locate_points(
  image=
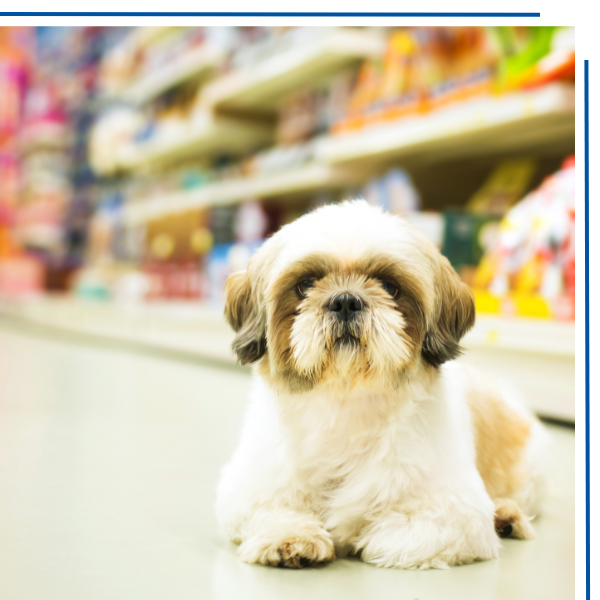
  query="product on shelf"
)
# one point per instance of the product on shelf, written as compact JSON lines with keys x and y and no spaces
{"x":223,"y":260}
{"x":425,"y":69}
{"x":530,"y":269}
{"x":313,"y":111}
{"x":535,"y":55}
{"x":466,"y":237}
{"x":53,"y":198}
{"x":20,"y":274}
{"x":109,"y":134}
{"x":394,"y":192}
{"x":503,"y":188}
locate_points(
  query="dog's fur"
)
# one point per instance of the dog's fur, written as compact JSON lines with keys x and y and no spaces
{"x":381,"y":446}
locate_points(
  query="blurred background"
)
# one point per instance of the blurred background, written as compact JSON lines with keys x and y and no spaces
{"x":140,"y":166}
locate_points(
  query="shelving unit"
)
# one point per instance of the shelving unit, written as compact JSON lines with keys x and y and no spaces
{"x":310,"y":177}
{"x":206,"y":134}
{"x":517,"y":121}
{"x":236,"y":113}
{"x":535,"y":355}
{"x":261,"y":87}
{"x":482,"y":125}
{"x":194,"y":64}
{"x":145,"y":36}
{"x":540,"y":336}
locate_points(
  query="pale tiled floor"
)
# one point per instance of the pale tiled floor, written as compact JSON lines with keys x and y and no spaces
{"x":108,"y":464}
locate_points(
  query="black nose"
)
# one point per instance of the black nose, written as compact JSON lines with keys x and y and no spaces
{"x":345,"y":306}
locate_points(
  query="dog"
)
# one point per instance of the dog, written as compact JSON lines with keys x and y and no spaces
{"x":364,"y":436}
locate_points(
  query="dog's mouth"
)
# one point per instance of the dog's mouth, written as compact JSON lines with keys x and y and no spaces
{"x":347,"y":339}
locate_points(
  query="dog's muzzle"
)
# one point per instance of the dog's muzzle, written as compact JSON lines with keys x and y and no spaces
{"x":345,"y":307}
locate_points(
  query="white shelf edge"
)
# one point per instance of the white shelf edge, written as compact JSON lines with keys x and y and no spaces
{"x":520,"y":334}
{"x":193,"y":64}
{"x":202,"y":135}
{"x":308,"y":177}
{"x":345,"y":44}
{"x":482,"y":115}
{"x":146,"y":36}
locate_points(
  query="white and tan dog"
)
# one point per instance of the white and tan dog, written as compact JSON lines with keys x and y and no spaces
{"x":362,"y":435}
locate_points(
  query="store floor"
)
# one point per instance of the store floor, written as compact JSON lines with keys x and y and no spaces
{"x":108,"y":465}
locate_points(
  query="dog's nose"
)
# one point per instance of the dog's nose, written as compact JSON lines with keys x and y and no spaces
{"x":345,"y":306}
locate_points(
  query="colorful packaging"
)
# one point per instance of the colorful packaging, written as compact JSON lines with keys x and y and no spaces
{"x":532,"y":262}
{"x":505,"y":186}
{"x":423,"y":68}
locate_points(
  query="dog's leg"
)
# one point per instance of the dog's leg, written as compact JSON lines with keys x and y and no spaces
{"x":286,"y":538}
{"x":271,"y":522}
{"x":429,"y":536}
{"x":263,"y":505}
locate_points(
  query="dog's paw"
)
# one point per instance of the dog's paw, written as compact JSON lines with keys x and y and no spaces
{"x":510,"y":522}
{"x":295,"y":550}
{"x":411,"y":542}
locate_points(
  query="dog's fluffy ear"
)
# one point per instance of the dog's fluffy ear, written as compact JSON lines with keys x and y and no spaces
{"x":246,"y":317}
{"x":455,"y":316}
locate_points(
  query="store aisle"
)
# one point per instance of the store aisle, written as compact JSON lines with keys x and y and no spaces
{"x":108,"y":464}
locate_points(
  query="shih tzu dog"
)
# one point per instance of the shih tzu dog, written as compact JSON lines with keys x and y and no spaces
{"x":363,"y":436}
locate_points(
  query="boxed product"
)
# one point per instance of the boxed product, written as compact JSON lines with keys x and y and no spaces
{"x":394,"y":192}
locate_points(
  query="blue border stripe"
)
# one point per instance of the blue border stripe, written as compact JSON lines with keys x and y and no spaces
{"x":268,"y":14}
{"x":587,"y":329}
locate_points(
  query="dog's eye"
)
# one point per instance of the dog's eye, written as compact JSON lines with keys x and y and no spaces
{"x":390,"y":288}
{"x":304,"y":286}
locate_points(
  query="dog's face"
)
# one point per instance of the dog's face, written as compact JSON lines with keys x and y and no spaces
{"x":347,"y":294}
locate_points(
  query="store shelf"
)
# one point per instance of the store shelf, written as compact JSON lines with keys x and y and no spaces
{"x":517,"y":121}
{"x":193,"y":64}
{"x":260,"y":88}
{"x":311,"y":177}
{"x":146,"y":35}
{"x":185,"y":328}
{"x":205,"y":134}
{"x":539,"y":336}
{"x":536,"y":356}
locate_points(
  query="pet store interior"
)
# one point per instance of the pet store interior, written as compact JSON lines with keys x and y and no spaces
{"x":139,"y":167}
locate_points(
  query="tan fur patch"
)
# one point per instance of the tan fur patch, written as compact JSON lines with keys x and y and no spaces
{"x":501,"y":435}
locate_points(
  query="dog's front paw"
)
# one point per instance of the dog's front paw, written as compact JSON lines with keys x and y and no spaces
{"x":409,"y":542}
{"x":293,"y":550}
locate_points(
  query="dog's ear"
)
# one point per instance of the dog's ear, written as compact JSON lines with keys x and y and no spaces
{"x":246,"y":317}
{"x":455,"y":315}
